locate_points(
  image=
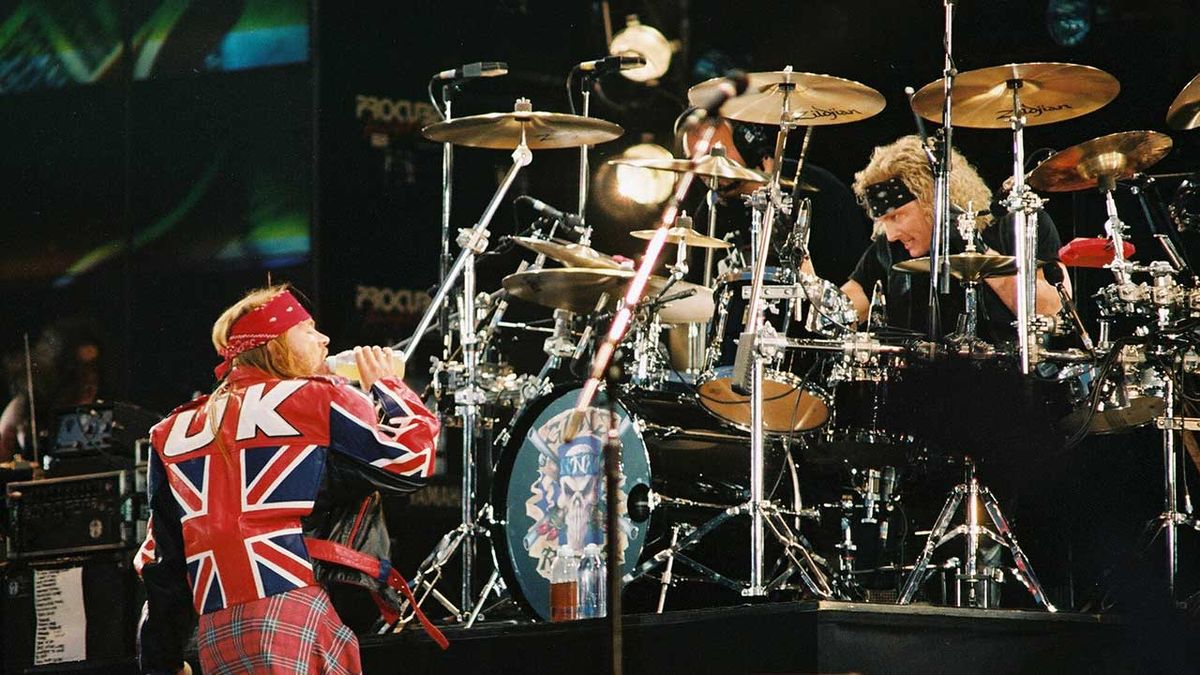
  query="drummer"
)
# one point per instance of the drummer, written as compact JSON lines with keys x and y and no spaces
{"x":837,"y":228}
{"x":896,"y":190}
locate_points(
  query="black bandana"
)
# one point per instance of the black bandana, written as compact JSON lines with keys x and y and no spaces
{"x":886,"y":196}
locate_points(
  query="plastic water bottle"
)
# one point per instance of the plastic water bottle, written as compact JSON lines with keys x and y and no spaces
{"x":593,"y":584}
{"x":564,"y":585}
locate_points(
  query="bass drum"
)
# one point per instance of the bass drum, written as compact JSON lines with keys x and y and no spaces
{"x":550,"y":491}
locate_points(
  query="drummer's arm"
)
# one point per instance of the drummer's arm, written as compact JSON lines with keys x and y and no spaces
{"x":1047,"y":301}
{"x":862,"y":305}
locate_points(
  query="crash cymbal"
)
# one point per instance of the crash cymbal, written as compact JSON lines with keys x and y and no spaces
{"x":707,"y":166}
{"x":1184,"y":112}
{"x":541,"y":130}
{"x":687,"y":235}
{"x":568,"y":253}
{"x":966,"y":266}
{"x":812,"y":99}
{"x":579,"y":290}
{"x":1115,"y":156}
{"x":1050,"y":92}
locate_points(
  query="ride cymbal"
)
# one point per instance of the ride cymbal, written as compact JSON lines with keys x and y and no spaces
{"x":568,"y":253}
{"x":806,"y":99}
{"x":966,"y":267}
{"x":579,"y":290}
{"x":707,"y":166}
{"x":687,"y":235}
{"x":1184,"y":112}
{"x":1050,"y":92}
{"x":1114,"y":156}
{"x":540,"y":130}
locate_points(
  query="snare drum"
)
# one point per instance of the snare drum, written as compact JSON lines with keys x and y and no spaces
{"x":793,"y":398}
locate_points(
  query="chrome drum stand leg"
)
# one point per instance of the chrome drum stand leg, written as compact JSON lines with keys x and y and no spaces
{"x":976,"y":497}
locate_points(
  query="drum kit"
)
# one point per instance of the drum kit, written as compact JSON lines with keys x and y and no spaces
{"x":780,"y":379}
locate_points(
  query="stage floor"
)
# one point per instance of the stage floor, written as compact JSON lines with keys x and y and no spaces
{"x":808,"y":637}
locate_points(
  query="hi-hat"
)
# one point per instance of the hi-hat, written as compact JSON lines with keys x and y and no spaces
{"x":1115,"y":156}
{"x":579,"y":290}
{"x":540,"y":130}
{"x":1184,"y":112}
{"x":811,"y":99}
{"x":707,"y":166}
{"x":966,"y":267}
{"x":686,"y":235}
{"x":1050,"y":92}
{"x":568,"y":253}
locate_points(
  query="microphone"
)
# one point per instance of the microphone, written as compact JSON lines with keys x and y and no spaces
{"x":569,"y":220}
{"x":733,"y":84}
{"x":473,"y":70}
{"x":613,"y":63}
{"x":1054,"y":274}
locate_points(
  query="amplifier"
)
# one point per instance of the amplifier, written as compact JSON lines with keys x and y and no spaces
{"x":75,"y":514}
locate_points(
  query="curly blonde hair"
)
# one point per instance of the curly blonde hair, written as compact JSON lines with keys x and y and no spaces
{"x":906,"y":158}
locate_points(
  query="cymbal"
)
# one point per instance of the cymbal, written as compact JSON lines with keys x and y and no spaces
{"x":811,"y":98}
{"x":568,"y":253}
{"x":687,"y":235}
{"x":1184,"y":112}
{"x":579,"y":290}
{"x":708,"y":166}
{"x":966,"y":266}
{"x":541,"y":130}
{"x":1050,"y":92}
{"x":1115,"y":156}
{"x":1094,"y":252}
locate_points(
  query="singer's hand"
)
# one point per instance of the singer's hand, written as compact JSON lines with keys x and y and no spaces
{"x":375,"y":363}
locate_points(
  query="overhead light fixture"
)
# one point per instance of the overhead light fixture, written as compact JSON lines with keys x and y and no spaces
{"x":644,"y":186}
{"x":637,"y":39}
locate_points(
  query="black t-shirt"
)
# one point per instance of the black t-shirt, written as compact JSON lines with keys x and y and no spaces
{"x":908,"y":294}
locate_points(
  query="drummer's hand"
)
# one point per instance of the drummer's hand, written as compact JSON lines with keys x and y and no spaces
{"x":185,"y":670}
{"x":375,"y":363}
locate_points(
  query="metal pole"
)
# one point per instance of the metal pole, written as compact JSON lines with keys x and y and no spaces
{"x":586,"y":237}
{"x":447,"y":196}
{"x":1025,"y":236}
{"x":1170,"y":488}
{"x":939,"y":277}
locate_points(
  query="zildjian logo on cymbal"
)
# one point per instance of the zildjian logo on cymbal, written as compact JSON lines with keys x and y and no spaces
{"x":1033,"y":111}
{"x":819,"y":113}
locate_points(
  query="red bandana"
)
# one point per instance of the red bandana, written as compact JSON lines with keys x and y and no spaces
{"x":260,"y":326}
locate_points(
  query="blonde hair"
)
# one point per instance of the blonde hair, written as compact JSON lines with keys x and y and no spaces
{"x":906,"y":158}
{"x":273,"y":357}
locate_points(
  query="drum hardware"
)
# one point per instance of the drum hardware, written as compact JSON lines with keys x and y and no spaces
{"x":579,"y":289}
{"x":1184,"y":112}
{"x":976,"y":497}
{"x":1016,"y":96}
{"x":870,"y":497}
{"x":1172,"y":517}
{"x":521,"y":131}
{"x":567,"y":253}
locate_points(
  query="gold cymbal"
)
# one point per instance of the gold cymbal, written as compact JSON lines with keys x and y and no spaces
{"x":1115,"y":156}
{"x":568,"y":253}
{"x":811,"y":99}
{"x":579,"y":290}
{"x":966,"y":266}
{"x":708,"y":166}
{"x":687,"y":235}
{"x":1050,"y":92}
{"x":1184,"y":112}
{"x":541,"y":130}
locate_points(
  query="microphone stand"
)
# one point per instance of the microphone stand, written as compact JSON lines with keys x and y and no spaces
{"x":587,"y":79}
{"x":939,"y":273}
{"x":449,"y":89}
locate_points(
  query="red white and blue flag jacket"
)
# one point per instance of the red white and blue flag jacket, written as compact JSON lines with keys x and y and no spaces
{"x":235,"y":486}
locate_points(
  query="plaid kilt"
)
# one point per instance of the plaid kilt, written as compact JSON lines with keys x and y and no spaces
{"x":293,"y":632}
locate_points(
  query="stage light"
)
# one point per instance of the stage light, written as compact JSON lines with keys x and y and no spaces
{"x":644,"y":186}
{"x":644,"y":41}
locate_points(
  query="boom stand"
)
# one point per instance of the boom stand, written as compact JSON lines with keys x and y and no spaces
{"x":976,"y":496}
{"x":1172,"y":517}
{"x":1022,"y":203}
{"x":468,"y":398}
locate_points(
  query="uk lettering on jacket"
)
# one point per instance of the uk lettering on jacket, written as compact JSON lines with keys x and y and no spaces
{"x":274,"y":460}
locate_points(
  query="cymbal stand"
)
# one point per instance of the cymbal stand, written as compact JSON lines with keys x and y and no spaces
{"x":966,"y":337}
{"x":976,"y":497}
{"x":1172,"y":517}
{"x":467,"y":399}
{"x":586,"y":80}
{"x":939,"y":270}
{"x":1022,"y":203}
